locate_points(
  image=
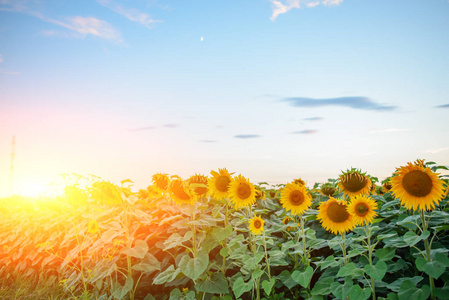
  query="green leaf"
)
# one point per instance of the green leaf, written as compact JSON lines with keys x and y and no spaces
{"x":240,"y":286}
{"x":215,"y":284}
{"x":286,"y":278}
{"x":377,"y":271}
{"x":268,"y":285}
{"x":149,"y":264}
{"x":329,"y":262}
{"x":194,"y":267}
{"x":139,"y":250}
{"x":176,"y":240}
{"x":443,"y":259}
{"x":341,"y":291}
{"x":166,"y":276}
{"x":347,"y":270}
{"x":356,"y":292}
{"x":224,"y":252}
{"x":434,"y":269}
{"x":392,"y":296}
{"x":396,"y":285}
{"x":409,"y":291}
{"x":222,"y":233}
{"x":252,"y":261}
{"x":303,"y":278}
{"x":411,"y":238}
{"x":256,"y":273}
{"x":385,"y":253}
{"x":121,"y":291}
{"x":420,"y":262}
{"x":442,"y":293}
{"x":322,"y":287}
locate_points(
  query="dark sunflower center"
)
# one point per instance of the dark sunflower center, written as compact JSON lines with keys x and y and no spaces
{"x":417,"y":183}
{"x":353,"y":182}
{"x":361,"y":209}
{"x":243,"y":191}
{"x":222,"y":183}
{"x":179,"y":192}
{"x":257,"y":224}
{"x":296,"y":198}
{"x":328,"y":191}
{"x":337,"y":212}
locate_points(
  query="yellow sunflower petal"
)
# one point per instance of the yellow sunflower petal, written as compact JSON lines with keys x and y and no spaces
{"x":362,"y":209}
{"x":295,"y":198}
{"x":242,"y":192}
{"x":354,"y":182}
{"x":181,"y":192}
{"x":417,"y":187}
{"x":256,"y":225}
{"x":219,"y":183}
{"x":334,"y":217}
{"x":161,"y":182}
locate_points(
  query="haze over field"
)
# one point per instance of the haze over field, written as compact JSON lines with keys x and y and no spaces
{"x":274,"y":90}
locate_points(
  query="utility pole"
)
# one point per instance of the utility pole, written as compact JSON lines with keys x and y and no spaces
{"x":11,"y":168}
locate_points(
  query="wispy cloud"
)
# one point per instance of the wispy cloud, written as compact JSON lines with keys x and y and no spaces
{"x":247,"y":136}
{"x":79,"y":25}
{"x":131,"y":14}
{"x":208,"y":141}
{"x":364,"y":103}
{"x":281,"y":7}
{"x":313,"y":119}
{"x":307,"y":131}
{"x":388,"y":130}
{"x":443,"y":106}
{"x":433,"y":151}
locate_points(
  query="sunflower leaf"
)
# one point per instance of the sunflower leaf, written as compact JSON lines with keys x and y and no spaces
{"x":303,"y":278}
{"x":377,"y":271}
{"x":385,"y":253}
{"x":408,"y":291}
{"x":240,"y":287}
{"x":356,"y":292}
{"x":194,"y":267}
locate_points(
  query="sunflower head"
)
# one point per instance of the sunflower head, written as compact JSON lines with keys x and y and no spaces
{"x":299,"y":181}
{"x":219,"y":183}
{"x":200,"y":184}
{"x":417,"y":187}
{"x":353,"y":182}
{"x":181,"y":192}
{"x":334,"y":216}
{"x":328,"y":189}
{"x":362,"y":209}
{"x":256,"y":225}
{"x":260,"y":194}
{"x":294,"y":197}
{"x":106,"y":193}
{"x":161,"y":182}
{"x":242,"y":192}
{"x":286,"y":220}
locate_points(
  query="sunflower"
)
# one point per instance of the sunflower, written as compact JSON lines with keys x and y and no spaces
{"x":328,"y":189}
{"x":181,"y":192}
{"x":199,"y":182}
{"x":417,"y":187}
{"x":161,"y":182}
{"x":219,"y":183}
{"x":243,"y":193}
{"x":299,"y":181}
{"x":353,"y":182}
{"x":294,"y":197}
{"x":260,"y":194}
{"x":361,"y":208}
{"x":106,"y":193}
{"x":286,"y":220}
{"x":334,"y":217}
{"x":256,"y":225}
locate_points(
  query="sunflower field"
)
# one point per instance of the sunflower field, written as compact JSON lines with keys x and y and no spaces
{"x":223,"y":237}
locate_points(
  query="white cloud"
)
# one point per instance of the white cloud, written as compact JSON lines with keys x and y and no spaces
{"x":82,"y":26}
{"x":280,"y":7}
{"x":433,"y":151}
{"x":131,"y":13}
{"x":388,"y":130}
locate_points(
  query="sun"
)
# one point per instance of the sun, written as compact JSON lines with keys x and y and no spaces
{"x":243,"y":193}
{"x":219,"y":183}
{"x":362,"y":209}
{"x":334,"y":216}
{"x":295,"y":198}
{"x":353,"y":182}
{"x":256,"y":225}
{"x":417,"y":187}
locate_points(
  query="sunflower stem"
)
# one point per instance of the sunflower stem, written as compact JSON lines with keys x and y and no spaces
{"x":428,"y":258}
{"x":266,"y":255}
{"x":343,"y":247}
{"x":306,"y":256}
{"x":370,"y":257}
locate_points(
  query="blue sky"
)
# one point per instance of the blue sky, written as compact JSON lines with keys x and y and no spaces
{"x":273,"y":90}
